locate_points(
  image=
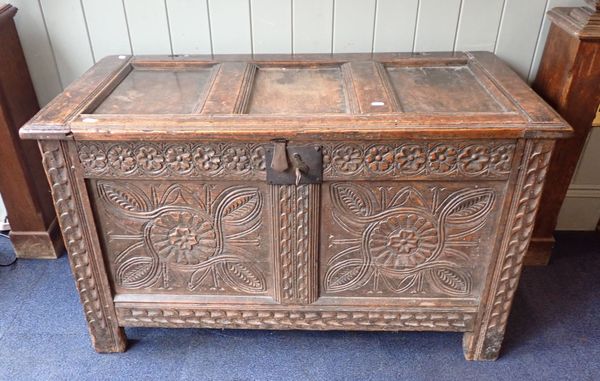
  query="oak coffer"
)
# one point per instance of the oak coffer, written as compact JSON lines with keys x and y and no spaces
{"x":338,"y":192}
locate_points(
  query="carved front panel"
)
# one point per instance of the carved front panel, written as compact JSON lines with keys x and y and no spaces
{"x":186,"y":237}
{"x":407,"y":239}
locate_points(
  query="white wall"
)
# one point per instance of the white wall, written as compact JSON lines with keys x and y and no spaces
{"x":63,"y":38}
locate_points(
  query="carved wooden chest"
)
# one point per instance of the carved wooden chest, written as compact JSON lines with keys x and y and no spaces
{"x":355,"y":192}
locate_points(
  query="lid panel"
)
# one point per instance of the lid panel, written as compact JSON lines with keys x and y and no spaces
{"x":148,"y":91}
{"x":440,"y":89}
{"x":293,"y":90}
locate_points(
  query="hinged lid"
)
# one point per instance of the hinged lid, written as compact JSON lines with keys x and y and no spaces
{"x":364,"y":96}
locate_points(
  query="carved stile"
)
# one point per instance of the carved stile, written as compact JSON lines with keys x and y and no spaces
{"x":484,"y":343}
{"x":295,"y":219}
{"x":86,"y":265}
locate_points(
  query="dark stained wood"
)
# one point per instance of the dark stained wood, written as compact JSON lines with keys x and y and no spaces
{"x":415,"y":215}
{"x":568,"y":79}
{"x":34,"y":232}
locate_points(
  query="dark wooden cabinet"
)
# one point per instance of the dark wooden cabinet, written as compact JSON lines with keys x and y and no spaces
{"x":34,"y":229}
{"x":568,"y":79}
{"x":348,"y":192}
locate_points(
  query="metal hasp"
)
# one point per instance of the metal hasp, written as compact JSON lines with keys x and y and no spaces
{"x":291,"y":164}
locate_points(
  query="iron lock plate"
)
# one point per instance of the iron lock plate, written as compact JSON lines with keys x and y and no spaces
{"x":310,"y":155}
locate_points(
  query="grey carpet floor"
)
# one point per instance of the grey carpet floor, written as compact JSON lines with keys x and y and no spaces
{"x":553,"y":334}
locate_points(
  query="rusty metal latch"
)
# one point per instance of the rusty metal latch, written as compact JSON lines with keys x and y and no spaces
{"x":294,"y":164}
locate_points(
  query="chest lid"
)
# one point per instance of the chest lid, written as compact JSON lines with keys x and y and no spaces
{"x":367,"y":96}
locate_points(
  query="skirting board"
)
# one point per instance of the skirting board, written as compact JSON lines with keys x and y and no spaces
{"x":581,"y":208}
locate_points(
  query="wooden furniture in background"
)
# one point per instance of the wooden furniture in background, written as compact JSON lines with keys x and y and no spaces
{"x":355,"y":192}
{"x":569,"y":80}
{"x":34,"y":229}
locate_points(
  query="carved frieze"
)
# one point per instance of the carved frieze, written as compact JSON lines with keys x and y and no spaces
{"x":303,"y":319}
{"x":412,"y":159}
{"x":146,"y":159}
{"x":343,"y":160}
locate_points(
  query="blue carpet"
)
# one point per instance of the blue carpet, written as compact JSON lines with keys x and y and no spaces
{"x":553,"y":334}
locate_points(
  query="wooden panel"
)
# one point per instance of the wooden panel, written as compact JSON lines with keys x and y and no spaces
{"x":312,"y":26}
{"x":68,"y":36}
{"x":383,"y":239}
{"x":436,"y":25}
{"x":107,"y":25}
{"x":272,"y":26}
{"x":230,"y":26}
{"x":395,"y":25}
{"x":148,"y":26}
{"x":190,"y":29}
{"x":519,"y":33}
{"x":37,"y":49}
{"x":200,"y":238}
{"x":157,"y":92}
{"x":353,"y":26}
{"x":435,"y":89}
{"x":478,"y":25}
{"x":297,"y":90}
{"x":543,"y":35}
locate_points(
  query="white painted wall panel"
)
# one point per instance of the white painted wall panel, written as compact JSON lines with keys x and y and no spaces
{"x":478,"y":25}
{"x":395,"y":22}
{"x":436,"y":25}
{"x":353,"y":26}
{"x":69,"y":38}
{"x":230,"y":26}
{"x":312,"y":26}
{"x":107,"y":27}
{"x":272,"y":26}
{"x":541,"y":43}
{"x":38,"y":52}
{"x":148,"y":26}
{"x":519,"y":33}
{"x":190,"y":29}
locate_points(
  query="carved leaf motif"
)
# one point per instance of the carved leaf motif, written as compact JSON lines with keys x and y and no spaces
{"x":243,"y":277}
{"x":125,"y":199}
{"x":468,"y":206}
{"x":198,"y":277}
{"x":399,"y":284}
{"x":408,"y":196}
{"x":136,"y":272}
{"x":344,"y":276}
{"x":451,"y":280}
{"x":239,"y":205}
{"x":352,"y":198}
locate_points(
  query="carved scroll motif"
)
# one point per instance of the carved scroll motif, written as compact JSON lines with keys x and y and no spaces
{"x":295,"y":239}
{"x":486,"y":341}
{"x":96,"y":300}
